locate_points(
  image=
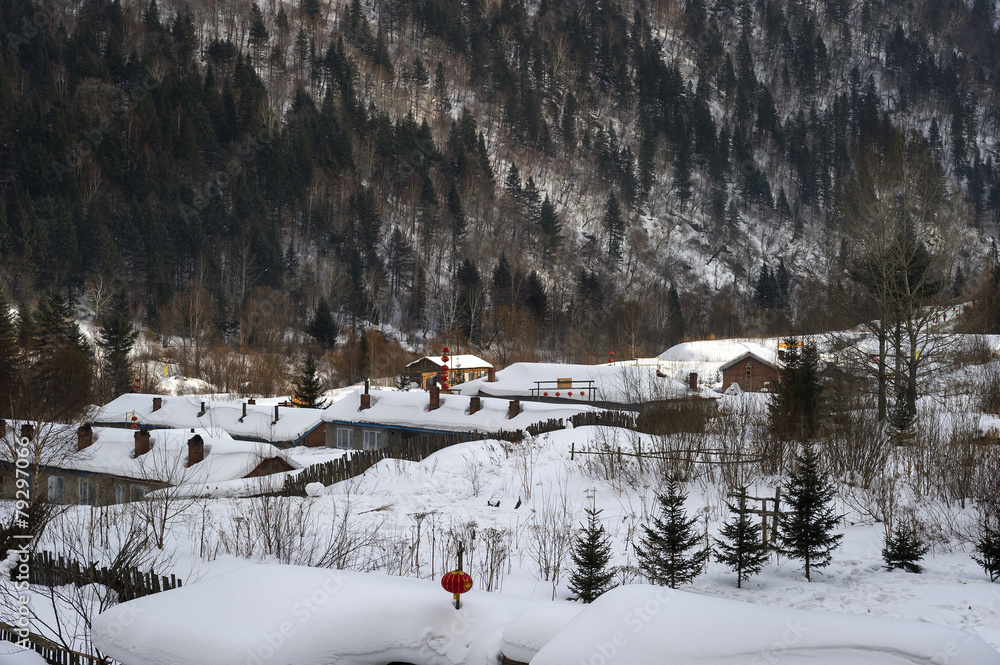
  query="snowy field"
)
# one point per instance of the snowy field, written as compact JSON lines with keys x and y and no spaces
{"x":386,"y":537}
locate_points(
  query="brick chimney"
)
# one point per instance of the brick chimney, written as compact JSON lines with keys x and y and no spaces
{"x":28,"y":431}
{"x":435,"y":398}
{"x":513,"y":409}
{"x":366,"y":401}
{"x":157,"y":403}
{"x":475,"y":404}
{"x":196,"y":450}
{"x":84,"y":436}
{"x":142,"y":444}
{"x":491,"y":375}
{"x":693,"y":382}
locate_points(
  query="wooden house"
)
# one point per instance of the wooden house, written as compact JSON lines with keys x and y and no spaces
{"x":461,"y":368}
{"x":751,"y":372}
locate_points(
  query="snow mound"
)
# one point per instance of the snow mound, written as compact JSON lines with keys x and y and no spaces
{"x":12,"y":654}
{"x":287,"y":615}
{"x":527,"y":634}
{"x":643,"y":625}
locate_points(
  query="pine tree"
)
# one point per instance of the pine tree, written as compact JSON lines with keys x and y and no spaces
{"x":669,"y":553}
{"x":116,"y":341}
{"x":796,"y":394}
{"x":742,"y":550}
{"x":591,"y":555}
{"x":904,"y":548}
{"x":615,"y":226}
{"x":9,"y":359}
{"x":309,"y":388}
{"x":988,"y":547}
{"x":323,"y":328}
{"x":807,"y":526}
{"x":549,"y":225}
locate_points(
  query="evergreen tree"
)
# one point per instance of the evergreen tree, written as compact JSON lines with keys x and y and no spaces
{"x":807,"y":525}
{"x":309,"y":388}
{"x":9,"y":359}
{"x":549,"y":225}
{"x":441,"y":88}
{"x":591,"y":555}
{"x":116,"y":342}
{"x":670,"y":552}
{"x":536,"y":299}
{"x":503,"y":283}
{"x":615,"y":226}
{"x":323,"y":328}
{"x":796,"y":394}
{"x":904,"y":548}
{"x":988,"y":547}
{"x":742,"y":550}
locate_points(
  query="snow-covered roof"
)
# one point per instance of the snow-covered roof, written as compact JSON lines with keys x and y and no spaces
{"x":256,"y":614}
{"x":113,"y":450}
{"x":461,"y":361}
{"x":410,"y":409}
{"x":626,"y":382}
{"x":182,"y":412}
{"x":707,"y":357}
{"x":749,"y":354}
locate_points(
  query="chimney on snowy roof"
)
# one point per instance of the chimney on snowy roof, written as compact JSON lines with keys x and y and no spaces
{"x":513,"y":409}
{"x":157,"y":403}
{"x":693,"y":382}
{"x":84,"y":436}
{"x":196,"y":450}
{"x":491,"y":375}
{"x":142,"y":444}
{"x":475,"y":404}
{"x":435,"y":401}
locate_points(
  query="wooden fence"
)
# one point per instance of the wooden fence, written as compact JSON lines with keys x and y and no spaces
{"x":356,"y":462}
{"x":129,"y":583}
{"x":49,"y":650}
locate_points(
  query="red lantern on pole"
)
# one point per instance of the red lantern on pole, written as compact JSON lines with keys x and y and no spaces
{"x":456,"y":583}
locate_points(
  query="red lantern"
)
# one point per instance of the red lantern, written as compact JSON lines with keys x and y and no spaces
{"x":581,"y":393}
{"x":546,"y":394}
{"x":557,"y":394}
{"x":456,"y":582}
{"x":445,"y":349}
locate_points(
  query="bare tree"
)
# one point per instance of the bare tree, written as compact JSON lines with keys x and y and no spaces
{"x":905,"y":233}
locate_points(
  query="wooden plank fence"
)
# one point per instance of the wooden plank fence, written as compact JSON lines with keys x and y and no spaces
{"x":415,"y":449}
{"x":129,"y":583}
{"x":49,"y":650}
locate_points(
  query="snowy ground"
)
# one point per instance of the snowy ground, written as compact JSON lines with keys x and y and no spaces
{"x":515,"y":508}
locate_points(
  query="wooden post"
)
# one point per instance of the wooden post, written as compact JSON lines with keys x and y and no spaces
{"x":458,"y":596}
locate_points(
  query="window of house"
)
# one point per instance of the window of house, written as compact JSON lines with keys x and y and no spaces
{"x":373,"y":439}
{"x":88,"y":493}
{"x":345,"y":437}
{"x":121,"y":493}
{"x":749,"y":368}
{"x":138,"y":492}
{"x":56,"y":489}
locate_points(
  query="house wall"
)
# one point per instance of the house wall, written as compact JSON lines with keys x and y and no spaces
{"x":107,"y":487}
{"x":386,"y":435}
{"x":758,"y":377}
{"x":315,"y":438}
{"x":268,"y":467}
{"x":423,"y":372}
